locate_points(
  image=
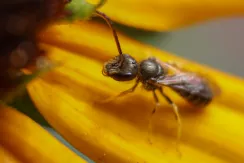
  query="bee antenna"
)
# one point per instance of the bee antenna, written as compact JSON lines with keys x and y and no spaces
{"x":110,"y":23}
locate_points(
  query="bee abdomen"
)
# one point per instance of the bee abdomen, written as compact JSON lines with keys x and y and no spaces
{"x":199,"y":99}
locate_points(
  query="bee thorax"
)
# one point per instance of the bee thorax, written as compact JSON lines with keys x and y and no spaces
{"x":150,"y":69}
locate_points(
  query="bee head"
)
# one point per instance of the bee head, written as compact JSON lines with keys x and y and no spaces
{"x":121,"y":71}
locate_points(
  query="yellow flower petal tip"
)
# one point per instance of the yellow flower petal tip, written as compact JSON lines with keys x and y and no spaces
{"x":168,"y":15}
{"x":70,"y":100}
{"x":22,"y":140}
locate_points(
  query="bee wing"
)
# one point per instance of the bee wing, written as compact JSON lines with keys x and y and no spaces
{"x":190,"y":83}
{"x":187,"y":76}
{"x":211,"y":83}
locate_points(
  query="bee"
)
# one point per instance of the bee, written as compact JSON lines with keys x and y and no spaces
{"x":154,"y":75}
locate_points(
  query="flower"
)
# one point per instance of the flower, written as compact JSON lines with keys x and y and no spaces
{"x":22,"y":140}
{"x":70,"y":96}
{"x":170,"y":15}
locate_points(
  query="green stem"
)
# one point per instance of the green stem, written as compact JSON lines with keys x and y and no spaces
{"x":81,"y":10}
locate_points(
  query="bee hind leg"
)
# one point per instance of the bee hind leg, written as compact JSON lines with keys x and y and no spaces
{"x":157,"y":104}
{"x":177,"y":116}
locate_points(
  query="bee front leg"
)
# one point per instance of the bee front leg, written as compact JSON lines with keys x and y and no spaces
{"x":156,"y":102}
{"x":132,"y":89}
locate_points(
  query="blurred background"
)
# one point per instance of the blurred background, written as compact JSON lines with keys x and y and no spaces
{"x":219,"y":43}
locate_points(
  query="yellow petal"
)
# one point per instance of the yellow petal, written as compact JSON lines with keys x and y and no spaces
{"x":7,"y":157}
{"x":28,"y":142}
{"x":170,"y":14}
{"x":118,"y":131}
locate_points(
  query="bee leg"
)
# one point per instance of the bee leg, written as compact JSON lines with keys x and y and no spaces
{"x":156,"y":102}
{"x":132,"y":89}
{"x":150,"y":118}
{"x":177,"y":116}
